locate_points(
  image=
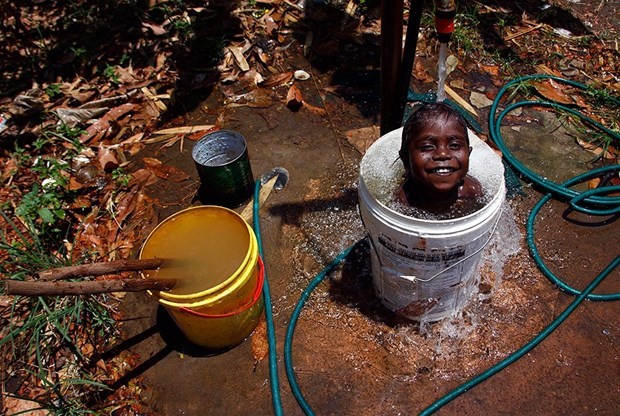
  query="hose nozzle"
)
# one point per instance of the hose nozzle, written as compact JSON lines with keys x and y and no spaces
{"x":445,"y":11}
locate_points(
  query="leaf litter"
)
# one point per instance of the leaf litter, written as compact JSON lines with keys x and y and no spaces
{"x":122,"y":107}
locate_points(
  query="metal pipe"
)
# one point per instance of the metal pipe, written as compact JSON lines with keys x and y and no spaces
{"x":445,"y":11}
{"x":411,"y":45}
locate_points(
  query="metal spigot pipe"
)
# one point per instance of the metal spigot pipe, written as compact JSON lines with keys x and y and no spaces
{"x":445,"y":11}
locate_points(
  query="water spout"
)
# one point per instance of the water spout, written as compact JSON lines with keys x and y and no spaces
{"x":445,"y":11}
{"x":442,"y":72}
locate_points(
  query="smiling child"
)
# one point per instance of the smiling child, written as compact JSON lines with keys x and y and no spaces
{"x":435,"y":152}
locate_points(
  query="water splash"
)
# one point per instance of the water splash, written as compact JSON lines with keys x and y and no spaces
{"x":442,"y":71}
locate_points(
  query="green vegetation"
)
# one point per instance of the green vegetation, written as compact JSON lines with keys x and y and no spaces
{"x":53,"y":90}
{"x":121,"y":177}
{"x":45,"y":337}
{"x":110,"y":73}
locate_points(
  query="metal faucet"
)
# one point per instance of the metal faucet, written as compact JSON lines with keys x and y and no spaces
{"x":445,"y":10}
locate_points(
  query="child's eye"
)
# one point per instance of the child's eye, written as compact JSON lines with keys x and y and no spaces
{"x":456,"y":144}
{"x":426,"y":148}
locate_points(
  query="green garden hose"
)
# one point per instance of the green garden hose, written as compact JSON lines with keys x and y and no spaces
{"x":526,"y":348}
{"x":271,"y":333}
{"x":602,"y":205}
{"x":592,"y":202}
{"x":557,"y":190}
{"x":290,"y":330}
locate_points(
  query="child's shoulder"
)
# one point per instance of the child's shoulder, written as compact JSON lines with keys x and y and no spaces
{"x":471,"y":188}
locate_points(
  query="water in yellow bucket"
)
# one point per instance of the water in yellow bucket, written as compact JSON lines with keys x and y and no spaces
{"x":212,"y":253}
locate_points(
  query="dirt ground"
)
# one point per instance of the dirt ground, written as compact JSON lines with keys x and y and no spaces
{"x":351,"y":354}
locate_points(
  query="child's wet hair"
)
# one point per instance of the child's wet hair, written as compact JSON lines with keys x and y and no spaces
{"x":424,"y":115}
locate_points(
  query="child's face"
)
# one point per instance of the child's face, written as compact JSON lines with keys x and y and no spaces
{"x":439,"y":156}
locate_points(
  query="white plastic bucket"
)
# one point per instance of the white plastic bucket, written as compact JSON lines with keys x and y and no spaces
{"x":425,"y":270}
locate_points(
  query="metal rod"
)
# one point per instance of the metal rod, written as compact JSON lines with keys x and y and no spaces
{"x":411,"y":45}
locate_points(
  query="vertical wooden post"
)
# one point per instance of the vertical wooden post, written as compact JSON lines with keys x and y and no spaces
{"x":391,"y":51}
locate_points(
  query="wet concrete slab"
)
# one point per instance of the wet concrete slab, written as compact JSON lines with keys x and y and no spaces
{"x":352,"y":355}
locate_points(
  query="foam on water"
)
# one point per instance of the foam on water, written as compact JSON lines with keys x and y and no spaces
{"x":454,"y":211}
{"x":383,"y":173}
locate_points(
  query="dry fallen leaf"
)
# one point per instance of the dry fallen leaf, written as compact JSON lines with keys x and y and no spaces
{"x":362,"y":138}
{"x":74,"y":185}
{"x":490,"y":69}
{"x":593,"y":183}
{"x":144,"y":177}
{"x":156,"y":99}
{"x":276,"y":80}
{"x":239,"y":58}
{"x":553,"y":91}
{"x":451,"y":64}
{"x":156,"y":29}
{"x":5,"y":301}
{"x":294,"y":98}
{"x":9,"y":169}
{"x":610,"y":153}
{"x":271,"y":26}
{"x":200,"y":134}
{"x":479,"y":100}
{"x":544,"y":69}
{"x":14,"y":406}
{"x":320,"y":111}
{"x":103,"y":125}
{"x":458,"y":83}
{"x":74,"y":116}
{"x":421,"y":74}
{"x":107,"y":158}
{"x":126,"y":205}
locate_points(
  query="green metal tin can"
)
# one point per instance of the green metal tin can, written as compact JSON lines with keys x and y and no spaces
{"x":222,"y":161}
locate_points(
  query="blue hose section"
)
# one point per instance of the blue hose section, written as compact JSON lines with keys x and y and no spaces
{"x":603,"y":205}
{"x":271,"y":332}
{"x":541,"y":264}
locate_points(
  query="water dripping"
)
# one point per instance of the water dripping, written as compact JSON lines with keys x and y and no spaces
{"x":442,"y":71}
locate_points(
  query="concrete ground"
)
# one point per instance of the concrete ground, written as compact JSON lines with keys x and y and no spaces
{"x":351,"y":354}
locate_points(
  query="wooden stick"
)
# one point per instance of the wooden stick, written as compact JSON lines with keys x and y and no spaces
{"x":36,"y":288}
{"x":459,"y":100}
{"x":523,"y":32}
{"x":248,"y":211}
{"x":97,"y":269}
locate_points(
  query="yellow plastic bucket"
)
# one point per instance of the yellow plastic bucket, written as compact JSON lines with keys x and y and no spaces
{"x":212,"y":253}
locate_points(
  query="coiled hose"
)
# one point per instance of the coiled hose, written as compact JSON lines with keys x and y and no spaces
{"x":593,"y":202}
